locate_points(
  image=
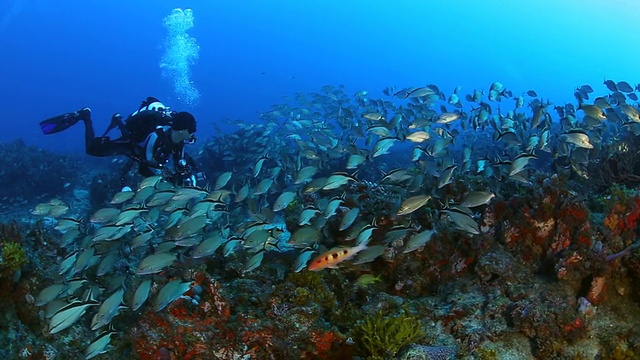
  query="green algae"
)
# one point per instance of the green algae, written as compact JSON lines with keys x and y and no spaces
{"x":380,"y":337}
{"x":13,"y":256}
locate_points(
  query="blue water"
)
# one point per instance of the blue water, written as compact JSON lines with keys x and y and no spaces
{"x":59,"y":56}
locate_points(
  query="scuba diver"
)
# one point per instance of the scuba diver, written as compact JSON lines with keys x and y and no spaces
{"x":150,"y":137}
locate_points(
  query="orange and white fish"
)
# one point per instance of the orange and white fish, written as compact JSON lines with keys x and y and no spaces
{"x":335,"y":256}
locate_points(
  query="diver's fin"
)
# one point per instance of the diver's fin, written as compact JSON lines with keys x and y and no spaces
{"x":63,"y":122}
{"x":58,"y":123}
{"x":116,"y":122}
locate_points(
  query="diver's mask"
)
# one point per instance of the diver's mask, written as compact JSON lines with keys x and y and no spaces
{"x":191,"y":140}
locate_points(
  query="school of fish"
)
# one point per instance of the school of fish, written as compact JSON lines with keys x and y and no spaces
{"x":301,"y":180}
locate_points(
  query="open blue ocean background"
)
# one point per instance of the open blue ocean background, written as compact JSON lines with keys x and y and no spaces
{"x":60,"y":56}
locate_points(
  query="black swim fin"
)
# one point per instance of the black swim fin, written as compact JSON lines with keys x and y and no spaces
{"x":116,"y":122}
{"x":63,"y":122}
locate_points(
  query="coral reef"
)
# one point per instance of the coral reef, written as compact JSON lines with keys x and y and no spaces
{"x":29,"y":172}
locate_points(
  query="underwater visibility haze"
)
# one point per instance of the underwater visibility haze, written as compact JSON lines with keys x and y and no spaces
{"x":363,"y":179}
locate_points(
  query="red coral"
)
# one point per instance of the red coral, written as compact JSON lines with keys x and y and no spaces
{"x":633,"y":214}
{"x":324,"y":341}
{"x":186,"y":329}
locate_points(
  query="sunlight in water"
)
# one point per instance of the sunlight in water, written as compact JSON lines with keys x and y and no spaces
{"x":181,"y":51}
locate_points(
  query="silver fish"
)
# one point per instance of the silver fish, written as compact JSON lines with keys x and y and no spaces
{"x":396,"y":176}
{"x":305,"y":174}
{"x":445,"y":176}
{"x":355,"y":160}
{"x":69,"y":237}
{"x":107,"y":263}
{"x":150,"y":181}
{"x":578,"y":138}
{"x":263,"y":186}
{"x":395,"y":233}
{"x":99,"y":345}
{"x":67,"y":316}
{"x":332,"y":207}
{"x":418,"y":136}
{"x":369,"y":254}
{"x":50,"y":293}
{"x":66,"y":224}
{"x":519,"y":163}
{"x":53,"y":307}
{"x":222,"y":180}
{"x":231,"y":246}
{"x":258,"y":166}
{"x":187,"y":228}
{"x":141,"y":295}
{"x":338,"y":179}
{"x":67,"y":263}
{"x":348,"y":218}
{"x":315,"y":185}
{"x":104,"y":215}
{"x":188,"y":193}
{"x":446,"y":118}
{"x":127,"y":216}
{"x":477,"y":198}
{"x":463,"y":221}
{"x":122,"y":196}
{"x":108,"y":310}
{"x":382,"y":146}
{"x":257,"y":238}
{"x":418,"y":240}
{"x":169,"y":293}
{"x":141,"y":239}
{"x":160,"y":198}
{"x":307,"y":214}
{"x":253,"y":262}
{"x":84,"y":260}
{"x":143,"y":194}
{"x":242,"y":194}
{"x":155,"y":263}
{"x":412,"y":204}
{"x":305,"y":236}
{"x":375,"y":116}
{"x":302,"y":260}
{"x":208,"y":246}
{"x":365,"y":234}
{"x":283,"y":201}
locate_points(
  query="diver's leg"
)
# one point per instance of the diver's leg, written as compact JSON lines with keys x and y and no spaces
{"x":103,"y":145}
{"x":84,"y":114}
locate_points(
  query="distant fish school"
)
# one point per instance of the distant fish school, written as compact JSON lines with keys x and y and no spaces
{"x":315,"y":177}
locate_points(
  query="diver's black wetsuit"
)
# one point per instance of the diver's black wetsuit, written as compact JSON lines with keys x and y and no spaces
{"x":151,"y":152}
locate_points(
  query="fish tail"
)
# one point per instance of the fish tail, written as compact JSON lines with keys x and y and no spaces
{"x":362,"y":245}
